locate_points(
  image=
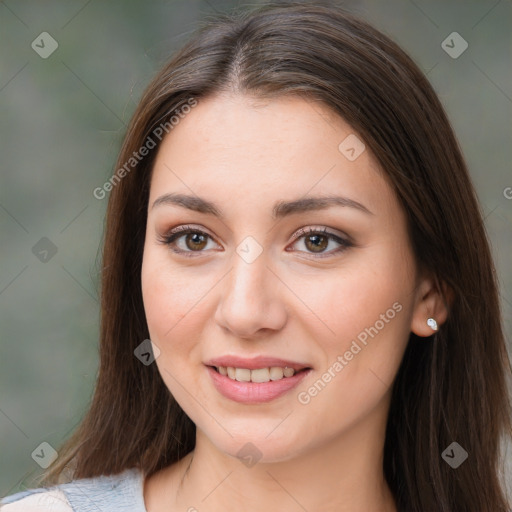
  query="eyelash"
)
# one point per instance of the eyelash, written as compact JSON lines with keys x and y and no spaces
{"x":181,"y":231}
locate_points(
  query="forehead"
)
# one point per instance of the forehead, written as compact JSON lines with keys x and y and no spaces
{"x":235,"y":148}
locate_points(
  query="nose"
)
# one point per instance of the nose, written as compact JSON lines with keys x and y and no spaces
{"x":251,"y":303}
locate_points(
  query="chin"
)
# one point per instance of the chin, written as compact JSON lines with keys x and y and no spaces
{"x":257,"y":446}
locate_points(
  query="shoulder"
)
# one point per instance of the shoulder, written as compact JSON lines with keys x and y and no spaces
{"x":105,"y":492}
{"x":36,"y":500}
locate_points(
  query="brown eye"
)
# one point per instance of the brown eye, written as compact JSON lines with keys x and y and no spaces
{"x":316,"y":241}
{"x":186,"y":240}
{"x":195,"y":241}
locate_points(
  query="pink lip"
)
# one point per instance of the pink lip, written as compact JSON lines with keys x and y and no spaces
{"x":254,"y":392}
{"x":254,"y":363}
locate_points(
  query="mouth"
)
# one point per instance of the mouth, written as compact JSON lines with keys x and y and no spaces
{"x":253,"y":381}
{"x":258,"y":375}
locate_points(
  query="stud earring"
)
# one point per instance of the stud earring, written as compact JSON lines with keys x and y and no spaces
{"x":432,"y":324}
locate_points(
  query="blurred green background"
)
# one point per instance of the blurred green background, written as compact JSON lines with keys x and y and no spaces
{"x":62,"y":121}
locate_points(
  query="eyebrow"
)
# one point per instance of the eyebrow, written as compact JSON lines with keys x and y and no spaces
{"x":280,"y":209}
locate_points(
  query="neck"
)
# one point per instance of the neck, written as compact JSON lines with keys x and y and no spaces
{"x":344,"y":474}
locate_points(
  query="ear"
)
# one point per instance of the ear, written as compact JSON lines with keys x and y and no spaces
{"x":432,"y":301}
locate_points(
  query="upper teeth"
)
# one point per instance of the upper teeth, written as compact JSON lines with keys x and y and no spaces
{"x":258,"y":375}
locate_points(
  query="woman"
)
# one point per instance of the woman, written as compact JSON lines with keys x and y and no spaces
{"x":299,"y":306}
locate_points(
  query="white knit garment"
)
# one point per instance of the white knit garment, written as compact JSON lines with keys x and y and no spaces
{"x":51,"y":501}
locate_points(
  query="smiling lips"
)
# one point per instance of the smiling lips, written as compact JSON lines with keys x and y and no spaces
{"x":255,"y":380}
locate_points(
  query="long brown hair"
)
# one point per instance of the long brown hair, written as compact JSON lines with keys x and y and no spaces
{"x":451,"y":387}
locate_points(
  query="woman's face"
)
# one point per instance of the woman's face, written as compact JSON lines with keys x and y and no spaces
{"x":326,"y":288}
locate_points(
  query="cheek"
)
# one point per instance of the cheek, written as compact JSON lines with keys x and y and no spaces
{"x":170,"y":314}
{"x":177,"y":308}
{"x":360,"y":361}
{"x":358,"y":296}
{"x":166,"y":298}
{"x":366,"y":310}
